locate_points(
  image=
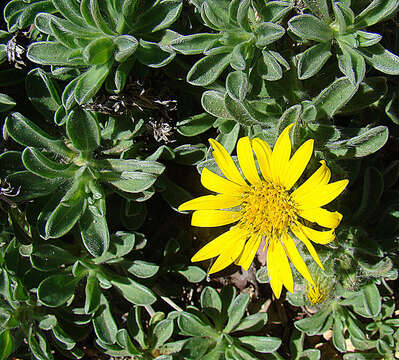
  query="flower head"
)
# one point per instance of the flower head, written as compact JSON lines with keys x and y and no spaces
{"x":264,"y":207}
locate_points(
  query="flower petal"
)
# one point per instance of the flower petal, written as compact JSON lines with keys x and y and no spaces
{"x":273,"y":269}
{"x":218,"y":245}
{"x":218,"y":184}
{"x":248,"y":254}
{"x":281,"y":155}
{"x":321,"y":195}
{"x":297,"y":164}
{"x":322,"y":217}
{"x":210,"y":218}
{"x":263,"y":155}
{"x":319,"y":237}
{"x":302,"y":237}
{"x":246,"y":160}
{"x":226,"y":163}
{"x":320,"y":177}
{"x":229,"y":255}
{"x":295,"y":257}
{"x":211,"y":202}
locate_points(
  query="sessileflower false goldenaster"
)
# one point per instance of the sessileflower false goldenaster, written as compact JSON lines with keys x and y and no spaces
{"x":265,"y":207}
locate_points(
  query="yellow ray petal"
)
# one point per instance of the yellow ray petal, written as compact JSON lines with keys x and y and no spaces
{"x":319,"y":237}
{"x":320,"y":177}
{"x":246,"y":160}
{"x":218,"y":245}
{"x":322,"y":217}
{"x":297,"y":164}
{"x":295,"y":257}
{"x":263,"y":155}
{"x":226,"y":163}
{"x":248,"y":254}
{"x":218,"y":184}
{"x":210,"y":218}
{"x":211,"y":202}
{"x":302,"y":237}
{"x":281,"y":155}
{"x":321,"y":195}
{"x":285,"y":270}
{"x":273,"y":269}
{"x":228,"y":256}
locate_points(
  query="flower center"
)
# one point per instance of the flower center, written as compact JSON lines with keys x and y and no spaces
{"x":268,"y":209}
{"x":316,"y":294}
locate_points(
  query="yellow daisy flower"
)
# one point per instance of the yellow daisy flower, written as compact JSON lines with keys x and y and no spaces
{"x":264,"y":207}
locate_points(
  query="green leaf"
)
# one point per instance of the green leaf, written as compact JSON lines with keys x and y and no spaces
{"x":309,"y":27}
{"x":121,"y":165}
{"x":99,"y":51}
{"x":194,"y":44}
{"x":213,"y":103}
{"x":237,"y":85}
{"x":240,"y":111}
{"x":92,"y":294}
{"x":38,"y":345}
{"x":338,"y":333}
{"x":142,"y":269}
{"x":134,"y":292}
{"x":160,"y":16}
{"x":312,"y":60}
{"x":196,"y":124}
{"x":196,"y":347}
{"x":274,"y":10}
{"x":215,"y":14}
{"x":193,"y":274}
{"x":352,"y":64}
{"x":236,"y":311}
{"x":208,"y":69}
{"x":367,"y":142}
{"x":191,"y":325}
{"x":42,"y":92}
{"x":371,"y":299}
{"x":91,"y":82}
{"x":56,"y":290}
{"x":83,"y":130}
{"x":104,"y":324}
{"x":319,"y":8}
{"x":162,"y":331}
{"x":126,"y":47}
{"x":269,"y":67}
{"x":211,"y":304}
{"x":378,"y":10}
{"x":123,"y":339}
{"x":48,"y":257}
{"x":51,"y":53}
{"x":153,"y":54}
{"x":135,"y":327}
{"x":48,"y":322}
{"x":129,"y":181}
{"x":252,"y":322}
{"x":334,"y":97}
{"x":6,"y":102}
{"x":242,"y":15}
{"x":238,"y":55}
{"x":267,"y":33}
{"x":32,"y":186}
{"x":260,"y":343}
{"x":25,"y":132}
{"x":369,"y":92}
{"x":67,"y":213}
{"x":68,"y":343}
{"x":367,"y":38}
{"x":97,"y":11}
{"x":41,"y":165}
{"x":70,"y":10}
{"x":94,"y":229}
{"x":6,"y":344}
{"x":312,"y":325}
{"x":381,"y":59}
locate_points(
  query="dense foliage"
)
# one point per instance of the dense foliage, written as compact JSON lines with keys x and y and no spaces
{"x":106,"y":109}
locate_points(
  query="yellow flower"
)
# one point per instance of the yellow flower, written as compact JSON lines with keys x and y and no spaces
{"x":266,"y":208}
{"x":316,"y":294}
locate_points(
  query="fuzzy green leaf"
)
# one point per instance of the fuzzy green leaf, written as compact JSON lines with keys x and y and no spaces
{"x":99,"y":51}
{"x":83,"y":130}
{"x":208,"y":69}
{"x":312,"y":60}
{"x":309,"y":27}
{"x":56,"y":290}
{"x":378,"y":10}
{"x":381,"y":59}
